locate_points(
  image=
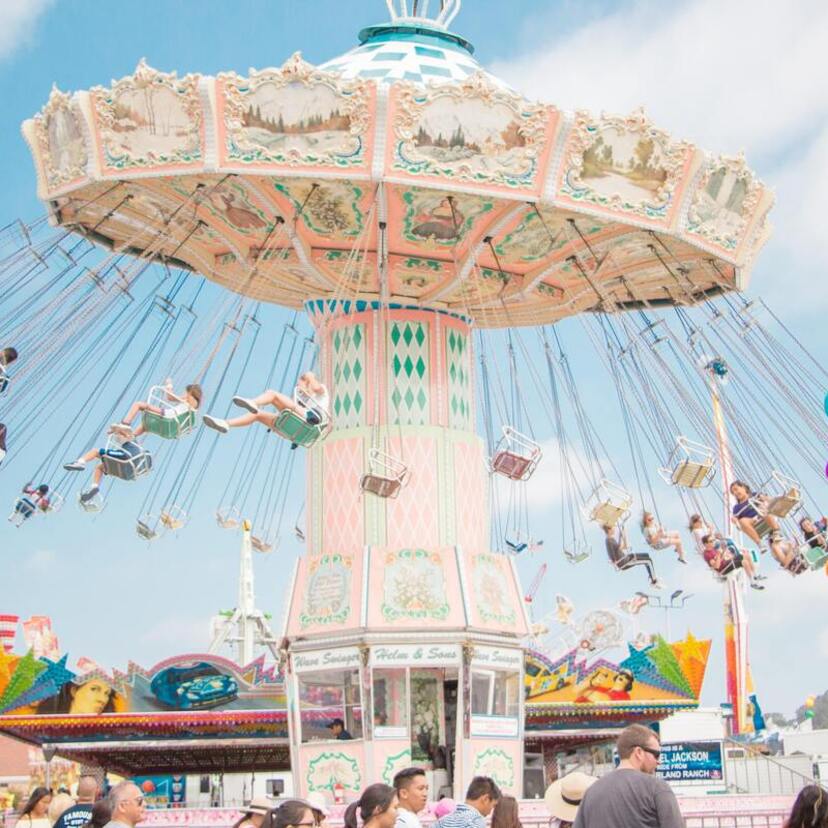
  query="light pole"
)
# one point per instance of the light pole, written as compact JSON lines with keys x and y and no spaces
{"x":677,"y":601}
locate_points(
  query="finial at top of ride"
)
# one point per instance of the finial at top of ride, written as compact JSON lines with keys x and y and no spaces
{"x":436,"y":13}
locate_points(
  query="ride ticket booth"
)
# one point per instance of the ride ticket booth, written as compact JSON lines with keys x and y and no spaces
{"x":445,"y":696}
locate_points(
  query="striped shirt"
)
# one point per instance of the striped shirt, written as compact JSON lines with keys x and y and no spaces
{"x":463,"y":816}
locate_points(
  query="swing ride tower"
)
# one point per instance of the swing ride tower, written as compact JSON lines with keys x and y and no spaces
{"x":401,"y":196}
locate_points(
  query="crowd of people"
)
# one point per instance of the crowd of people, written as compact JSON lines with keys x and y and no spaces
{"x":631,"y":796}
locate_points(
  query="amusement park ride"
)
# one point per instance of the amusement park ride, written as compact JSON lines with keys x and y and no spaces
{"x":409,"y":203}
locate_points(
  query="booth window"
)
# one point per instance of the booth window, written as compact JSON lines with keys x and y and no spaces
{"x":390,"y":702}
{"x":495,"y":693}
{"x":328,"y":695}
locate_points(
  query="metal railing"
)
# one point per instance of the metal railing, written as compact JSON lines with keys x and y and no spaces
{"x":749,"y":771}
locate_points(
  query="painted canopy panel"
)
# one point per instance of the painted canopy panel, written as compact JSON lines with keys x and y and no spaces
{"x":284,"y":185}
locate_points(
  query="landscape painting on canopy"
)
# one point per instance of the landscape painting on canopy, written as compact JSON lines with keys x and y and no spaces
{"x":627,"y":164}
{"x":657,"y":672}
{"x":301,"y":117}
{"x":44,"y":686}
{"x":469,"y":133}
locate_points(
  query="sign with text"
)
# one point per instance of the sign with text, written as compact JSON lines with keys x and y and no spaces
{"x":415,"y":655}
{"x":692,"y":763}
{"x":343,"y":658}
{"x":494,"y":726}
{"x":497,"y":658}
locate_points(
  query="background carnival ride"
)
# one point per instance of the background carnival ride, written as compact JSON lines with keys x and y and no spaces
{"x":402,"y":197}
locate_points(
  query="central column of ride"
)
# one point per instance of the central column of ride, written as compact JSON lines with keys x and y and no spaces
{"x":399,"y":607}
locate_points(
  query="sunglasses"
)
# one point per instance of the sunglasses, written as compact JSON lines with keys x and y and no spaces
{"x":654,"y":753}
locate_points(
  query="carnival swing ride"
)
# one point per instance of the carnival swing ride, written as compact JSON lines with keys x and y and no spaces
{"x":416,"y":210}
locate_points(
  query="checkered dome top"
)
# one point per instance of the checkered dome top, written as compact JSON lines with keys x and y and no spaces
{"x":408,"y":52}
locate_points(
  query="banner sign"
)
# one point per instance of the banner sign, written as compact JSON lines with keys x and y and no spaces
{"x":692,"y":763}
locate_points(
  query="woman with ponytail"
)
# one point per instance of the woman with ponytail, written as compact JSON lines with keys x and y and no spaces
{"x":377,"y":808}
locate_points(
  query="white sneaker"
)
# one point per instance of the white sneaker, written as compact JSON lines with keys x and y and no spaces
{"x":216,"y":423}
{"x":78,"y":465}
{"x":657,"y":584}
{"x":244,"y":402}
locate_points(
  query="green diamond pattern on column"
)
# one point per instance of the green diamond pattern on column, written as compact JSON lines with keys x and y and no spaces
{"x":408,"y":368}
{"x":349,"y":377}
{"x":459,"y":390}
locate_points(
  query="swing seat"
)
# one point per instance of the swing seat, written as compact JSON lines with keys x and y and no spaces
{"x":299,"y":532}
{"x":578,"y":554}
{"x":55,"y":503}
{"x":260,"y":544}
{"x":93,"y":505}
{"x":691,"y":465}
{"x":516,"y":456}
{"x":129,"y":468}
{"x":762,"y":527}
{"x":145,"y":530}
{"x":228,"y":518}
{"x":516,"y":545}
{"x":23,"y":509}
{"x":168,"y":428}
{"x":815,"y":556}
{"x":782,"y":504}
{"x":5,"y":379}
{"x":608,"y":504}
{"x":295,"y":428}
{"x":174,"y":518}
{"x":386,"y":475}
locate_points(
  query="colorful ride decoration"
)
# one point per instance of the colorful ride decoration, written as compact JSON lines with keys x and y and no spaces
{"x":659,"y":673}
{"x":401,"y":196}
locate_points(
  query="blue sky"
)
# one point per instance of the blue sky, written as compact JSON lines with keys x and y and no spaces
{"x":710,"y":72}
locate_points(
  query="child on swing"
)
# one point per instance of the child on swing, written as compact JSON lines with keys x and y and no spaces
{"x":310,"y":401}
{"x":174,"y":406}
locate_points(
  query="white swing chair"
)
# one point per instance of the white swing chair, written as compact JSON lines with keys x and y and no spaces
{"x":146,"y":527}
{"x":25,"y":507}
{"x":691,"y":465}
{"x":608,"y":504}
{"x":386,"y":475}
{"x":577,"y":552}
{"x":516,"y":456}
{"x":261,"y":543}
{"x":173,"y":517}
{"x":229,"y":518}
{"x":780,"y":495}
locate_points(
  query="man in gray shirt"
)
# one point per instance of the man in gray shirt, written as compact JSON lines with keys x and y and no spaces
{"x":631,"y":796}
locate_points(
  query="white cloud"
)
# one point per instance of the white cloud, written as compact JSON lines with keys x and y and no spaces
{"x":713,"y":72}
{"x":17,"y":21}
{"x":717,"y":74}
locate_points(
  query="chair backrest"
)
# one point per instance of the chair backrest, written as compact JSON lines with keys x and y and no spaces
{"x":293,"y":427}
{"x":168,"y":428}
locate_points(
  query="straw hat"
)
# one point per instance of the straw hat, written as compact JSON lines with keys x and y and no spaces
{"x":259,"y":805}
{"x":564,"y":795}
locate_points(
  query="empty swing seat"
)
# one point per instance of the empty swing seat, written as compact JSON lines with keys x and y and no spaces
{"x":229,"y":518}
{"x":578,"y":554}
{"x":173,"y":518}
{"x":386,"y":475}
{"x":260,"y":544}
{"x":516,"y":455}
{"x":691,"y":465}
{"x":145,"y":531}
{"x":609,"y":504}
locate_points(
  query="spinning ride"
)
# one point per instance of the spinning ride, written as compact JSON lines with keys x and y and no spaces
{"x":401,"y":196}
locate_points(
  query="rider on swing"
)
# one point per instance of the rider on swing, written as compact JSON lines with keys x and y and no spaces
{"x":310,"y":401}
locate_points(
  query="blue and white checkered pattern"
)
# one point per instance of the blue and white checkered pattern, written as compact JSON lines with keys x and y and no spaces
{"x":393,"y":59}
